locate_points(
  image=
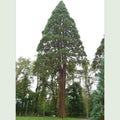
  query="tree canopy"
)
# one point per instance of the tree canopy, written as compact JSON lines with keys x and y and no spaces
{"x":60,"y":49}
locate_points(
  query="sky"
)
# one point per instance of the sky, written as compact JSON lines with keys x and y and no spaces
{"x":32,"y":16}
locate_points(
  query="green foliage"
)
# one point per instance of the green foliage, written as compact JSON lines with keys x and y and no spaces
{"x":98,"y":55}
{"x":22,"y":76}
{"x":23,"y":82}
{"x":60,"y":44}
{"x":87,"y":76}
{"x":98,"y":96}
{"x":75,"y":105}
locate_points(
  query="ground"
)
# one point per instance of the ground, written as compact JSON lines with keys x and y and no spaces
{"x":46,"y":118}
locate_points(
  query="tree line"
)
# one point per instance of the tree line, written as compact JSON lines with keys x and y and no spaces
{"x":65,"y":78}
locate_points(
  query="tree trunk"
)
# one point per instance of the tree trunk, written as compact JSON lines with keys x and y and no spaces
{"x":87,"y":95}
{"x":62,"y":82}
{"x":55,"y":104}
{"x":87,"y":109}
{"x":26,"y":108}
{"x":22,"y":107}
{"x":37,"y":97}
{"x":36,"y":104}
{"x":54,"y":101}
{"x":44,"y":106}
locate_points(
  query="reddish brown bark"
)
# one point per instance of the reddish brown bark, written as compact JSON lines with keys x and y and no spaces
{"x":62,"y":82}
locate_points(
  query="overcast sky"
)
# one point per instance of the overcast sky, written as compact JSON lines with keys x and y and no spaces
{"x":32,"y":16}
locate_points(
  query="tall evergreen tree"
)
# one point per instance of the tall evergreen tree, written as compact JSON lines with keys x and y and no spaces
{"x":98,"y":55}
{"x":98,"y":96}
{"x":60,"y":50}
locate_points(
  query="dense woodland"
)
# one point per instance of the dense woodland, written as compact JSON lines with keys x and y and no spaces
{"x":68,"y":84}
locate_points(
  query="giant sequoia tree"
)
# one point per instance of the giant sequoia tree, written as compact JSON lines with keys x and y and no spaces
{"x":60,"y":50}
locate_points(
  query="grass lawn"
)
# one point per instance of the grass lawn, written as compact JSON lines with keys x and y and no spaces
{"x":45,"y":118}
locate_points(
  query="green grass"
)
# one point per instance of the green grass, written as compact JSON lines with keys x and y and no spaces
{"x":45,"y":118}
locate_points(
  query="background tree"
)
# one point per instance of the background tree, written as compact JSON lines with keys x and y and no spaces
{"x":98,"y":96}
{"x":23,"y":81}
{"x":98,"y":55}
{"x":41,"y":87}
{"x":53,"y":86}
{"x":60,"y":49}
{"x":88,"y":82}
{"x":75,"y":104}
